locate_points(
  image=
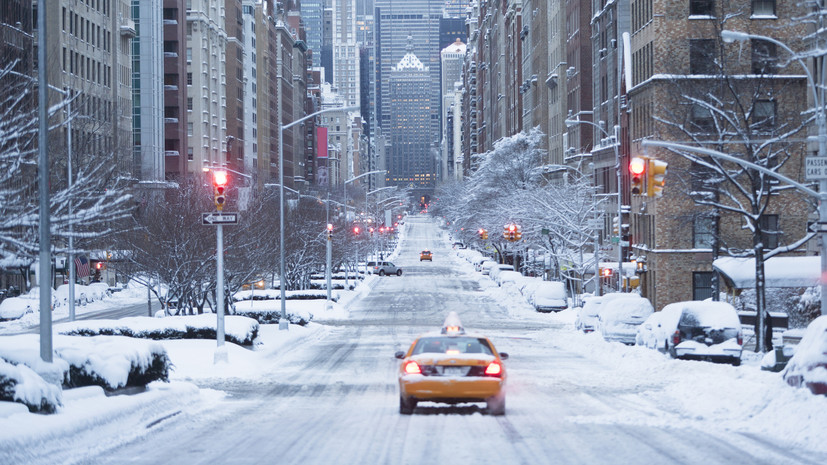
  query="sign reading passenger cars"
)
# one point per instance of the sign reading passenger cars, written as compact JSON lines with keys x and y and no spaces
{"x":214,"y":219}
{"x":815,"y":168}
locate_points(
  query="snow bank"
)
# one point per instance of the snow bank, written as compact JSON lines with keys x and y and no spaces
{"x":13,"y":308}
{"x":237,"y":329}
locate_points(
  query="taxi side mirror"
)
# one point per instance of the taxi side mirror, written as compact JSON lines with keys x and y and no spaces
{"x":503,"y":356}
{"x":399,"y":354}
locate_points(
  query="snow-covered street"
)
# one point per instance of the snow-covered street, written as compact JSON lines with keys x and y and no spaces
{"x":327,"y":393}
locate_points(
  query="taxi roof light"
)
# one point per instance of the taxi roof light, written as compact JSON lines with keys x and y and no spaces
{"x":452,"y":324}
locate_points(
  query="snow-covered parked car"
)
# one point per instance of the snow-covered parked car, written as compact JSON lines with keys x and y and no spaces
{"x":549,"y":296}
{"x":586,"y":319}
{"x":700,"y":331}
{"x":508,"y":277}
{"x":647,"y":332}
{"x":12,"y":308}
{"x":484,"y":265}
{"x":808,"y":366}
{"x":495,"y":270}
{"x":619,"y":318}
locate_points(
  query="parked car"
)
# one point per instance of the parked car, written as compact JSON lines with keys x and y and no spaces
{"x":619,"y":318}
{"x":426,"y":255}
{"x":384,"y":268}
{"x":808,"y":366}
{"x":480,"y":263}
{"x":647,"y":332}
{"x":700,"y":331}
{"x":485,"y":267}
{"x":549,"y":296}
{"x":586,"y":319}
{"x":495,"y":270}
{"x":507,"y":276}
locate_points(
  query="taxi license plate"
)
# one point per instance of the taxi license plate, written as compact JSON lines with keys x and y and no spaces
{"x":452,"y":371}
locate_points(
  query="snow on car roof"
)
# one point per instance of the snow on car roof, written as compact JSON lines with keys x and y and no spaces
{"x":625,"y":308}
{"x":813,"y":345}
{"x":715,"y":314}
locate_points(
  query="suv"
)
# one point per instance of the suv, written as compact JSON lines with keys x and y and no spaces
{"x":383,"y":268}
{"x":701,"y":331}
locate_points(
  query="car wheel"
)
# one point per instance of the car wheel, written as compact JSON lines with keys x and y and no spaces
{"x":406,"y":406}
{"x":736,"y":362}
{"x":496,"y":404}
{"x":381,"y":272}
{"x":398,"y":272}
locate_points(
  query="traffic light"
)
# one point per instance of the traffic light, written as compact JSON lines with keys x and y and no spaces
{"x":329,"y":231}
{"x":220,"y":189}
{"x":606,"y":273}
{"x":637,"y":168}
{"x":616,"y":225}
{"x":656,"y":178}
{"x":356,"y":230}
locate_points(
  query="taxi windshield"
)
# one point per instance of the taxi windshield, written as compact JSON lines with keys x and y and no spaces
{"x":452,"y":345}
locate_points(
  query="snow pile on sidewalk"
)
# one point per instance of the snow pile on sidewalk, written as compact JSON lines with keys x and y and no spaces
{"x":237,"y":329}
{"x":111,"y":362}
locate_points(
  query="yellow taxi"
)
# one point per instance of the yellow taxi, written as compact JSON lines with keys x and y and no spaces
{"x":426,"y":255}
{"x":452,"y":367}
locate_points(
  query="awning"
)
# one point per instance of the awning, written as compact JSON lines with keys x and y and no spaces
{"x":739,"y":273}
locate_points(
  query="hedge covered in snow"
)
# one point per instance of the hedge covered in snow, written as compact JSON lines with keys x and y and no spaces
{"x":111,"y":362}
{"x":237,"y":329}
{"x":275,"y":294}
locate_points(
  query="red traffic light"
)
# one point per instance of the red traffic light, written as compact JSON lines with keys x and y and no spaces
{"x":606,"y":272}
{"x":329,"y":227}
{"x":637,"y":166}
{"x":220,"y":178}
{"x":356,"y":230}
{"x":512,"y":227}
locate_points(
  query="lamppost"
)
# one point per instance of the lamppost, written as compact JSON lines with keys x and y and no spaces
{"x":283,"y":324}
{"x":616,"y":147}
{"x":344,"y":185}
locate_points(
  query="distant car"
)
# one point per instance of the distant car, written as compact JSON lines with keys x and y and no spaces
{"x":479,"y":263}
{"x":550,"y":296}
{"x":384,"y":268}
{"x":619,"y":318}
{"x":808,"y":366}
{"x":587,"y":315}
{"x":451,"y":366}
{"x":495,"y":270}
{"x":506,"y":277}
{"x":458,"y":245}
{"x":485,"y":267}
{"x":426,"y":255}
{"x":700,"y":331}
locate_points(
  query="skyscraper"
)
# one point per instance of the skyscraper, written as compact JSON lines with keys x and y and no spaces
{"x":412,"y":158}
{"x":312,"y":13}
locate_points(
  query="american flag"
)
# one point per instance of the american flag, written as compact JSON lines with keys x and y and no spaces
{"x":82,"y":264}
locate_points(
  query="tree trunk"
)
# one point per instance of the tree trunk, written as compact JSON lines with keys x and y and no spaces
{"x":761,"y":344}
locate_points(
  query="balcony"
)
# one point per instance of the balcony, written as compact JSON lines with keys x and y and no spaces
{"x":128,"y":28}
{"x":170,"y":120}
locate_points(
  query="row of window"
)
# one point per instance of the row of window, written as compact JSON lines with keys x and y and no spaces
{"x":707,"y":7}
{"x":86,"y":68}
{"x":86,"y":30}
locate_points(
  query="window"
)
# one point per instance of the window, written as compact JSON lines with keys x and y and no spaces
{"x":764,"y":57}
{"x":763,"y":115}
{"x":703,"y":232}
{"x":702,"y":120}
{"x":769,"y":231}
{"x":190,"y":155}
{"x":702,"y":7}
{"x":702,"y":56}
{"x":702,"y":285}
{"x":763,"y":7}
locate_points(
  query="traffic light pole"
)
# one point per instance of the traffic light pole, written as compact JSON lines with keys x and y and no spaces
{"x":220,"y":353}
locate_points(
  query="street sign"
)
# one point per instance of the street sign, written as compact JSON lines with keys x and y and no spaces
{"x":214,"y":218}
{"x":815,"y":168}
{"x":819,"y":226}
{"x":595,"y":223}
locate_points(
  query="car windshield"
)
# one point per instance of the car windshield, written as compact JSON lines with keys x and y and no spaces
{"x":452,"y":345}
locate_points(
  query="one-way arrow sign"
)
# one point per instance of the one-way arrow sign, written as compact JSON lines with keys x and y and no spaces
{"x":214,"y":218}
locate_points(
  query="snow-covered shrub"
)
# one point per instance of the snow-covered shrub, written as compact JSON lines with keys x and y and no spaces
{"x":266,"y":316}
{"x":112,"y":362}
{"x":19,"y":383}
{"x":239,"y":329}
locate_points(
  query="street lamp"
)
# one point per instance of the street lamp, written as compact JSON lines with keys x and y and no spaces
{"x":616,"y":147}
{"x":344,"y":185}
{"x":283,"y":324}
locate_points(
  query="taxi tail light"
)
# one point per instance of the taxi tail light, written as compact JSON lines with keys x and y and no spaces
{"x":412,"y":368}
{"x":494,"y":369}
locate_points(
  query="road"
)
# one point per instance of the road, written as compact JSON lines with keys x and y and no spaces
{"x":335,"y":400}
